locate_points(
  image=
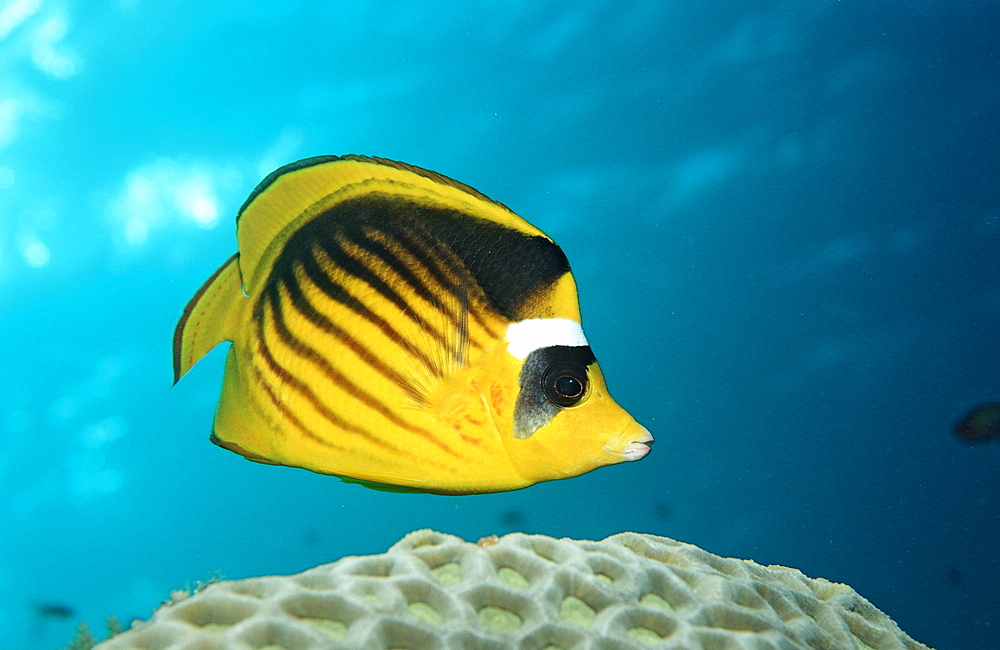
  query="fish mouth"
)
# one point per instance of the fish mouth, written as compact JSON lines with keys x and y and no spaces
{"x":638,"y":448}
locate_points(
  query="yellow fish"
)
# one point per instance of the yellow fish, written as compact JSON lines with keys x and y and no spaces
{"x":396,"y":328}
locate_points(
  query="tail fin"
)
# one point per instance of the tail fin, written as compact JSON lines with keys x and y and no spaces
{"x":212,"y":316}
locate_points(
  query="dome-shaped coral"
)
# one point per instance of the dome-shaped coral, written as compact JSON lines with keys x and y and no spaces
{"x":432,"y":590}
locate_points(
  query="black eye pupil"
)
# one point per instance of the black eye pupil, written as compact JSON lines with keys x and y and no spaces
{"x":567,"y":386}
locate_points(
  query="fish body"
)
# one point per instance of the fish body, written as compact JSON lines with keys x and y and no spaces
{"x":981,"y":424}
{"x":54,"y":610}
{"x":399,"y":329}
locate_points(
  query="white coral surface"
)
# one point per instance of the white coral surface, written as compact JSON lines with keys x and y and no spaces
{"x":432,"y":590}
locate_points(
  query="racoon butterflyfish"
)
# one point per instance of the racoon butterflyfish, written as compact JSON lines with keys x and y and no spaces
{"x":396,"y":328}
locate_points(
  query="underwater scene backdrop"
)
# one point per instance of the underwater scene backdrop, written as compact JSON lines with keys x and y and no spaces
{"x":784,"y":221}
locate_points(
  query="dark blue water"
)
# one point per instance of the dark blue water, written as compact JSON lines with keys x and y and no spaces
{"x":784,"y":222}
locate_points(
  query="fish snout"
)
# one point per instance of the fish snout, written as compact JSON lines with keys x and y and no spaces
{"x":633,"y":445}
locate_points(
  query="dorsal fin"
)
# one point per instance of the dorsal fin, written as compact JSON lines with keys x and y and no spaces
{"x":301,"y":191}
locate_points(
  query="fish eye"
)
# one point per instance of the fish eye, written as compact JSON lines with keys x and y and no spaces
{"x":565,"y":385}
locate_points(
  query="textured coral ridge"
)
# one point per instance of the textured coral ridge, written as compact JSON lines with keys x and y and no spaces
{"x":432,"y":590}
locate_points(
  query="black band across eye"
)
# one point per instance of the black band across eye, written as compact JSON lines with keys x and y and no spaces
{"x":553,"y":378}
{"x":565,"y":384}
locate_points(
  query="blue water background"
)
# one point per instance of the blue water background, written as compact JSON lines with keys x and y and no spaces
{"x":783,"y":217}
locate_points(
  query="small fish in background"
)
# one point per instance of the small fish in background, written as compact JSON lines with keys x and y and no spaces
{"x":981,"y":424}
{"x":53,"y":610}
{"x":311,"y":538}
{"x":513,"y":518}
{"x":663,"y":510}
{"x":396,"y":328}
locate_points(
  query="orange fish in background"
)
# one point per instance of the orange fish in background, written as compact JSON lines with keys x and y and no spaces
{"x":981,"y":424}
